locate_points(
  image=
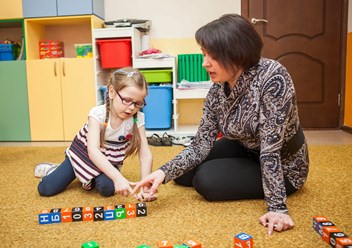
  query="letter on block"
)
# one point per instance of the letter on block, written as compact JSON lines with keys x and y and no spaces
{"x":316,"y":220}
{"x":131,"y":211}
{"x":90,"y":244}
{"x":323,"y":224}
{"x":327,"y":232}
{"x":192,"y":243}
{"x":334,"y":236}
{"x":77,"y":214}
{"x":55,"y":215}
{"x":243,"y":240}
{"x":120,"y":212}
{"x":141,"y":208}
{"x":165,"y":244}
{"x":98,"y":213}
{"x":88,"y":213}
{"x":109,"y":213}
{"x":344,"y":242}
{"x":66,"y":215}
{"x":44,"y":216}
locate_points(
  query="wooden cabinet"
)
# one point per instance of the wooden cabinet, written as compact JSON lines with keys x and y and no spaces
{"x":11,"y":9}
{"x":61,"y":93}
{"x":14,"y":117}
{"x":46,"y":8}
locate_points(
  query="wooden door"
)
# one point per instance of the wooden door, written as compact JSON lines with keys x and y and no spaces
{"x":78,"y":93}
{"x":308,"y":37}
{"x":45,"y":100}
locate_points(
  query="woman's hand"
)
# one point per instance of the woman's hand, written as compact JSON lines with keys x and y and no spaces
{"x":276,"y":222}
{"x":145,"y":197}
{"x":123,"y":186}
{"x":150,"y":183}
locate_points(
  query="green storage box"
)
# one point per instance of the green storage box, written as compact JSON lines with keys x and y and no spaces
{"x":158,"y":76}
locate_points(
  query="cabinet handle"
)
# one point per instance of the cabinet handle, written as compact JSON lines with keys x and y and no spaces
{"x":63,"y":68}
{"x":55,"y":73}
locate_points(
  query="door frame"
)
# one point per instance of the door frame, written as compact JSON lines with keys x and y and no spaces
{"x":343,"y":52}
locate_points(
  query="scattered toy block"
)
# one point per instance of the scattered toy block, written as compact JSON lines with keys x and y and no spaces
{"x":120,"y":212}
{"x":344,"y":242}
{"x":90,"y":244}
{"x":88,"y":214}
{"x":98,"y":213}
{"x":131,"y":211}
{"x":77,"y":214}
{"x":165,"y":244}
{"x":143,"y":246}
{"x":66,"y":215}
{"x":243,"y":240}
{"x":109,"y":213}
{"x":141,"y":209}
{"x":192,"y":244}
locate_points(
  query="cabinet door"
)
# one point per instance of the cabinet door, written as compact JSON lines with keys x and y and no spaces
{"x":78,"y":93}
{"x":11,"y":9}
{"x":45,"y":99}
{"x":80,"y":7}
{"x":14,"y":117}
{"x":39,"y":8}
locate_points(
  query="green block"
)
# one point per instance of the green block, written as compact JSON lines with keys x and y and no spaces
{"x":90,"y":244}
{"x":180,"y":246}
{"x":120,"y":213}
{"x":143,"y":246}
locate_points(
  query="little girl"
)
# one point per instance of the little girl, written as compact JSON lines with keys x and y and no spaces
{"x":113,"y":132}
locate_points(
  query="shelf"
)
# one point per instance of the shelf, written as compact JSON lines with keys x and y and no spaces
{"x":191,"y":94}
{"x":154,"y":63}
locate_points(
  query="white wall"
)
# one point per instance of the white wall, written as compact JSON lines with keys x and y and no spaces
{"x":170,"y":18}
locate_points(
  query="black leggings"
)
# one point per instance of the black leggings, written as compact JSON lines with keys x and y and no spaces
{"x":230,"y":172}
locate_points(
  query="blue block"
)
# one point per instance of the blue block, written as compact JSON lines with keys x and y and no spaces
{"x":109,"y":214}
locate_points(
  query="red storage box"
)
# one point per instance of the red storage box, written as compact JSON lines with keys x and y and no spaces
{"x":115,"y":53}
{"x":51,"y":49}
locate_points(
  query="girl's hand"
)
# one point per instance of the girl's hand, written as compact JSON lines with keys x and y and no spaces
{"x":123,"y":186}
{"x":150,"y":183}
{"x":145,"y":197}
{"x":276,"y":222}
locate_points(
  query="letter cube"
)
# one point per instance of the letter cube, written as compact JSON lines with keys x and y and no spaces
{"x":180,"y":246}
{"x":90,"y":244}
{"x":77,"y":214}
{"x":191,"y":243}
{"x":143,"y":246}
{"x":44,"y":216}
{"x":141,"y":208}
{"x":55,"y":215}
{"x":344,"y":242}
{"x":327,"y":230}
{"x":120,"y":212}
{"x":131,"y":211}
{"x":109,"y":213}
{"x":323,"y":224}
{"x":66,"y":215}
{"x":334,"y":236}
{"x":88,"y":213}
{"x":316,"y":220}
{"x":98,"y":213}
{"x":164,"y":244}
{"x":243,"y":240}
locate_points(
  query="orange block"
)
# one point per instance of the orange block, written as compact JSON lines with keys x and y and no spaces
{"x":131,"y":211}
{"x":243,"y":240}
{"x":66,"y":215}
{"x":165,"y":244}
{"x":327,"y":232}
{"x":88,"y":213}
{"x":343,"y":242}
{"x":193,"y":244}
{"x":316,"y":220}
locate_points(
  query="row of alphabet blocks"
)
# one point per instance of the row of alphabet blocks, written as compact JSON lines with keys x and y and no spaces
{"x":168,"y":244}
{"x":113,"y":212}
{"x":330,"y":233}
{"x":243,"y":240}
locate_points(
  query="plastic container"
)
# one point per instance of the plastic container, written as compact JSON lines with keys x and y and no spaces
{"x":190,"y":68}
{"x":83,"y":50}
{"x":158,"y":111}
{"x":6,"y":52}
{"x":158,"y":76}
{"x":115,"y":53}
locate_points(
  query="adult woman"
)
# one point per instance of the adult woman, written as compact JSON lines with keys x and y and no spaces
{"x":252,"y":103}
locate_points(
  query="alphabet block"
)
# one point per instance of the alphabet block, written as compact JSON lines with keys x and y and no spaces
{"x":165,"y":244}
{"x":55,"y":215}
{"x":180,"y":246}
{"x":317,"y":220}
{"x":109,"y":213}
{"x":323,"y":224}
{"x":131,"y":211}
{"x":243,"y":240}
{"x":88,"y":213}
{"x":192,"y":244}
{"x":98,"y":213}
{"x":143,"y":246}
{"x":141,"y":209}
{"x":120,"y":212}
{"x":77,"y":214}
{"x":44,"y":216}
{"x":66,"y":215}
{"x":327,"y":232}
{"x":344,"y":242}
{"x":334,"y":237}
{"x":90,"y":244}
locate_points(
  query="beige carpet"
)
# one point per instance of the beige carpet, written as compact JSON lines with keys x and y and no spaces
{"x":179,"y":213}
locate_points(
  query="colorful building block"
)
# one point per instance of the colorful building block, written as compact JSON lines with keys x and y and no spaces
{"x":55,"y":215}
{"x":131,"y":211}
{"x":120,"y":212}
{"x":323,"y":224}
{"x":334,"y":237}
{"x":344,"y":242}
{"x":180,"y":246}
{"x":192,"y":244}
{"x":165,"y":244}
{"x":90,"y":244}
{"x":327,"y":231}
{"x":243,"y":240}
{"x":143,"y":246}
{"x":44,"y":216}
{"x":316,"y":220}
{"x":66,"y":214}
{"x":98,"y":213}
{"x":77,"y":214}
{"x":141,"y":209}
{"x":109,"y":213}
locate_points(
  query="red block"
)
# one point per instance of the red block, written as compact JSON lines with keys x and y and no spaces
{"x":88,"y":213}
{"x":66,"y":215}
{"x":131,"y":211}
{"x":243,"y":240}
{"x":343,"y":242}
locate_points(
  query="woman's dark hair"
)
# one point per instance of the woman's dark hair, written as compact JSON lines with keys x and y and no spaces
{"x":232,"y":41}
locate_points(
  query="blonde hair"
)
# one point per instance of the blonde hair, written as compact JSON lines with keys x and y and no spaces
{"x":120,"y":79}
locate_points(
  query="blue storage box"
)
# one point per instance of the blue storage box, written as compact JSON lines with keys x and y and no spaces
{"x":158,"y":111}
{"x":6,"y":52}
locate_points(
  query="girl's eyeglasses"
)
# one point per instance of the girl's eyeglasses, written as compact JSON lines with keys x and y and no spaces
{"x":129,"y":102}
